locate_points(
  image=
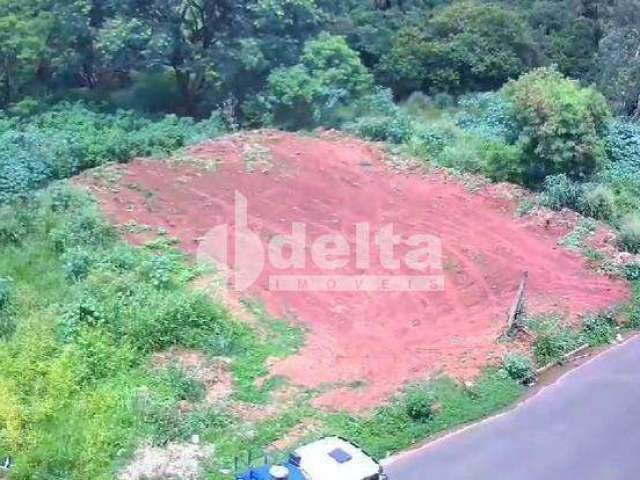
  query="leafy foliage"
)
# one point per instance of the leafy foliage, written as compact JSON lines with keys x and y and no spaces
{"x":519,"y":368}
{"x":71,"y":137}
{"x":629,"y":234}
{"x":599,"y":329}
{"x":391,"y":428}
{"x":553,"y":339}
{"x":560,"y":125}
{"x":330,"y":75}
{"x":74,"y":370}
{"x":464,"y":46}
{"x":380,"y":119}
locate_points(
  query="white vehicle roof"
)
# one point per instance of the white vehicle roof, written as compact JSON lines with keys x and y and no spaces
{"x":335,"y":459}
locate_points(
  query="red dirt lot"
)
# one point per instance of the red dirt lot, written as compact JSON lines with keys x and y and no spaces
{"x":378,"y":340}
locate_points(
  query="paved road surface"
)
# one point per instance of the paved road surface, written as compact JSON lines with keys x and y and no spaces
{"x":586,"y":426}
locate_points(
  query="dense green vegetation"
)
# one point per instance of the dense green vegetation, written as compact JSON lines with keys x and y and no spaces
{"x":542,"y":93}
{"x":81,"y":314}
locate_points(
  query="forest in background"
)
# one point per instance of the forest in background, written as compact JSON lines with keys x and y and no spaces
{"x":192,"y":56}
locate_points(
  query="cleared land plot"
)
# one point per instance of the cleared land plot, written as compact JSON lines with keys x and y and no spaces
{"x":363,"y":346}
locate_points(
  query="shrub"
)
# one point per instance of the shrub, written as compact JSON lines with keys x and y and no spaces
{"x":430,"y":139}
{"x":622,"y":144}
{"x":464,"y":154}
{"x":87,"y":229}
{"x":597,"y":201}
{"x":561,"y":192}
{"x":69,"y":138}
{"x":7,"y":323}
{"x":501,"y":161}
{"x":553,"y":339}
{"x":76,"y":263}
{"x":379,"y":118}
{"x":519,"y":368}
{"x":419,"y":403}
{"x":600,"y":329}
{"x":469,"y":152}
{"x":444,"y":100}
{"x":14,"y":224}
{"x":629,"y":233}
{"x":560,"y":125}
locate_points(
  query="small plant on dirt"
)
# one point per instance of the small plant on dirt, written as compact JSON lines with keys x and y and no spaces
{"x":575,"y":239}
{"x":419,"y":403}
{"x":600,"y":329}
{"x":525,"y":207}
{"x":519,"y":368}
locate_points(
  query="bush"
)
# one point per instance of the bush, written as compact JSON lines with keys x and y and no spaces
{"x":501,"y":161}
{"x":597,"y":201}
{"x":629,"y":233}
{"x":519,"y":368}
{"x":560,"y":125}
{"x":77,"y":263}
{"x":561,"y":192}
{"x":7,"y":324}
{"x":600,"y":329}
{"x":430,"y":139}
{"x":419,"y":403}
{"x":69,"y":138}
{"x":86,"y":229}
{"x":444,"y":100}
{"x":14,"y":224}
{"x":553,"y":339}
{"x":380,"y":119}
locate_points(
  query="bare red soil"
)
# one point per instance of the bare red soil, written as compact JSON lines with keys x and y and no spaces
{"x":379,"y":340}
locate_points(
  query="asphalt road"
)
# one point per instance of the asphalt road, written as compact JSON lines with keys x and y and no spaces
{"x":586,"y":426}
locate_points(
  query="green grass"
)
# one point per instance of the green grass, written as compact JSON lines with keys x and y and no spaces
{"x":392,"y":428}
{"x":274,"y":338}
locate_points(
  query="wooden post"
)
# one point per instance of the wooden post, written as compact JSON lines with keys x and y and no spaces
{"x":517,"y":309}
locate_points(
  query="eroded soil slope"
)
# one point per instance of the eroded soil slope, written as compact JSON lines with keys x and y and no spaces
{"x":363,"y":346}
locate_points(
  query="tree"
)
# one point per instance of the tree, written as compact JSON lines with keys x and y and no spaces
{"x":560,"y":125}
{"x":464,"y":46}
{"x":330,"y":74}
{"x":225,"y":46}
{"x":24,"y":32}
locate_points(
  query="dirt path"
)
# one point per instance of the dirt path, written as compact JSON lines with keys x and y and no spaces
{"x":379,"y":340}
